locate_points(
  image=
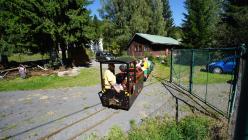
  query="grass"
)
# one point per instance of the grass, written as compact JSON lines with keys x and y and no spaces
{"x":162,"y":71}
{"x":90,"y":76}
{"x":25,"y":57}
{"x":87,"y":77}
{"x":189,"y":128}
{"x":181,"y":73}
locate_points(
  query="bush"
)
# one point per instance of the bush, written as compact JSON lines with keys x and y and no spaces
{"x":116,"y":134}
{"x":53,"y":63}
{"x":195,"y":128}
{"x":189,"y":128}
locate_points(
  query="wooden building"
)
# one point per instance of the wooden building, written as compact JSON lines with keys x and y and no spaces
{"x":146,"y":44}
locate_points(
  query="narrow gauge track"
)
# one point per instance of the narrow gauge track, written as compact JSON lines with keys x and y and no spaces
{"x":48,"y":136}
{"x":157,"y":79}
{"x":93,"y":126}
{"x":84,"y":130}
{"x":69,"y":125}
{"x":47,"y":123}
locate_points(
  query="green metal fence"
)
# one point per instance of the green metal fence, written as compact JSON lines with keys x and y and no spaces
{"x":208,"y":74}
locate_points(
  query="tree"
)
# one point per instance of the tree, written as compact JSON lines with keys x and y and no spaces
{"x":127,"y":17}
{"x":233,"y":27}
{"x":158,"y":22}
{"x":200,"y":23}
{"x":122,"y":20}
{"x":167,"y":15}
{"x":44,"y":25}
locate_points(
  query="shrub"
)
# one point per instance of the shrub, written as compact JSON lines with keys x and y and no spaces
{"x":189,"y":128}
{"x":171,"y":131}
{"x":116,"y":134}
{"x":196,"y":128}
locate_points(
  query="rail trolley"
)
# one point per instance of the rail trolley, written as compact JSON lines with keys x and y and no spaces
{"x":132,"y":86}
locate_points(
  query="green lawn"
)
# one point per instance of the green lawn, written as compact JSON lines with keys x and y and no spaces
{"x":161,"y":71}
{"x":91,"y":76}
{"x":26,"y":57}
{"x":182,"y":72}
{"x":87,"y":77}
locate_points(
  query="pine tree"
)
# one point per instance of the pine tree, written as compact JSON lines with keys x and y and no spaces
{"x":200,"y":23}
{"x":233,"y":28}
{"x":158,"y":23}
{"x":167,"y":15}
{"x":125,"y":17}
{"x":40,"y":26}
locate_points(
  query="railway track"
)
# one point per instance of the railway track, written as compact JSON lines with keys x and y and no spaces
{"x":69,"y":125}
{"x":157,"y":80}
{"x":92,"y":126}
{"x":81,"y":123}
{"x":54,"y":133}
{"x":52,"y":121}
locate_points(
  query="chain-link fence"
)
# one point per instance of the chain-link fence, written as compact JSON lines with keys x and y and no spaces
{"x":208,"y":74}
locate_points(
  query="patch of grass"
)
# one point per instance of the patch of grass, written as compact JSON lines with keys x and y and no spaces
{"x":161,"y":70}
{"x":182,"y":73}
{"x":189,"y":128}
{"x":184,"y":108}
{"x":25,"y":57}
{"x":116,"y":134}
{"x":8,"y":127}
{"x":87,"y":77}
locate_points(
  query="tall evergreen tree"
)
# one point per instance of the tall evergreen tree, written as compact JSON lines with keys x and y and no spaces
{"x":158,"y":23}
{"x":233,"y":28}
{"x":200,"y":23}
{"x":41,"y":25}
{"x":125,"y":17}
{"x":167,"y":15}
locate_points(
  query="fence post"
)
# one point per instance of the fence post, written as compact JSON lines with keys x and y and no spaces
{"x":171,"y":65}
{"x":206,"y":92}
{"x":234,"y":86}
{"x":191,"y":71}
{"x":239,"y":122}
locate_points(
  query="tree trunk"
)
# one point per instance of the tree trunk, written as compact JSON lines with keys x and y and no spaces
{"x":4,"y":60}
{"x":63,"y":50}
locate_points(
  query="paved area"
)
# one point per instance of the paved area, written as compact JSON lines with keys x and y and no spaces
{"x":35,"y":114}
{"x":75,"y":113}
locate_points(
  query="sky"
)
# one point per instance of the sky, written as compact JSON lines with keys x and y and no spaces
{"x":177,"y":8}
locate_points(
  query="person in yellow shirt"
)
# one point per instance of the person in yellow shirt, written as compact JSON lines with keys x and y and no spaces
{"x":110,"y":82}
{"x":145,"y":68}
{"x":109,"y":77}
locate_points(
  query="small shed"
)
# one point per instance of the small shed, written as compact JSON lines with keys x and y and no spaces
{"x":146,"y":44}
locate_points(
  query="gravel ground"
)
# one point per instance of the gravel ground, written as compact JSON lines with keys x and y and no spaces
{"x":35,"y":114}
{"x":216,"y":95}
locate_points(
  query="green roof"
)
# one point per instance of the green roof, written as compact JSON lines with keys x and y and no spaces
{"x":156,"y":39}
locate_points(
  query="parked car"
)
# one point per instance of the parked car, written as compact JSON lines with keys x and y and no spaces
{"x":227,"y":65}
{"x":101,"y":56}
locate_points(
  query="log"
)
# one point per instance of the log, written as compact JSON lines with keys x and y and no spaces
{"x":41,"y":67}
{"x":7,"y":70}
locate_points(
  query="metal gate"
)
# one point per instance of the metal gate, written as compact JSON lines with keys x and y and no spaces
{"x":208,"y":74}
